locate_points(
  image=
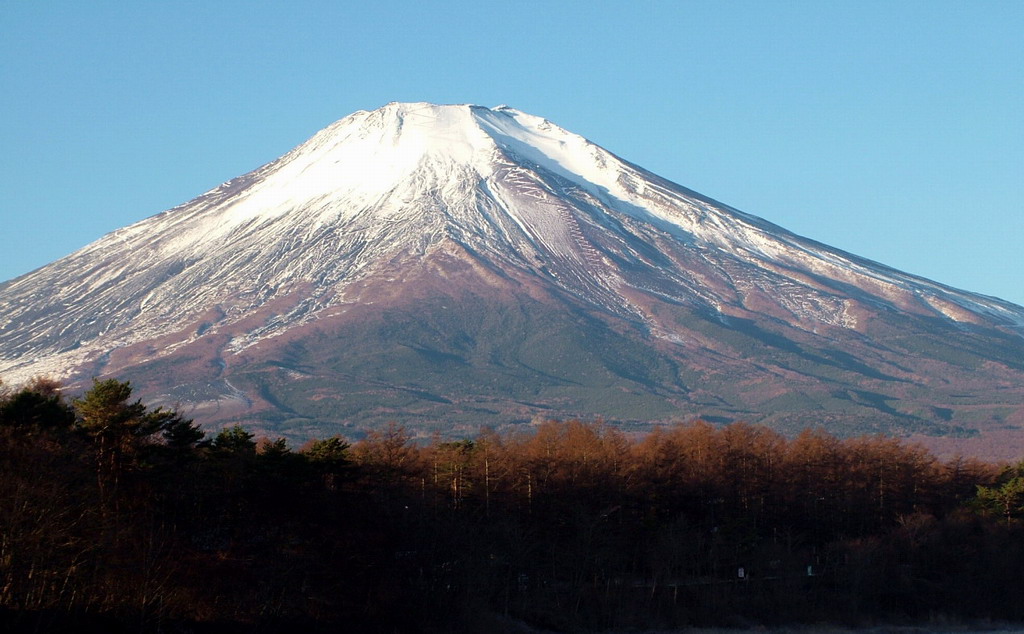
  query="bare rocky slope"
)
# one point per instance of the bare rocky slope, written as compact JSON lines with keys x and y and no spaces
{"x":456,"y":266}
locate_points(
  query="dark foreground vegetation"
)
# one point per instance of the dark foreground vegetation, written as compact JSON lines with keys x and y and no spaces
{"x":117,"y":517}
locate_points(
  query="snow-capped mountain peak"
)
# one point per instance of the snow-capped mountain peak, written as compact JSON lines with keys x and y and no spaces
{"x":414,"y":201}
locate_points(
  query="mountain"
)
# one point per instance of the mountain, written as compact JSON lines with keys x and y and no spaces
{"x":454,"y":266}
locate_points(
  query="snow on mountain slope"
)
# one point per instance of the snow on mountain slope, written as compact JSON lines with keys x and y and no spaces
{"x":375,"y":195}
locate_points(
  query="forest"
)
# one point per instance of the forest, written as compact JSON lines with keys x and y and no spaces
{"x":119,"y":517}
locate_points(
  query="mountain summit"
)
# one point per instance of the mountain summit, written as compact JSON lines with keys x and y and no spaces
{"x":452,"y":266}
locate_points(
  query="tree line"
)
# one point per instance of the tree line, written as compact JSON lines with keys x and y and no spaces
{"x":122,"y":517}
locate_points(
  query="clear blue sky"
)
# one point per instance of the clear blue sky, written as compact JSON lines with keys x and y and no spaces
{"x":894,"y":130}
